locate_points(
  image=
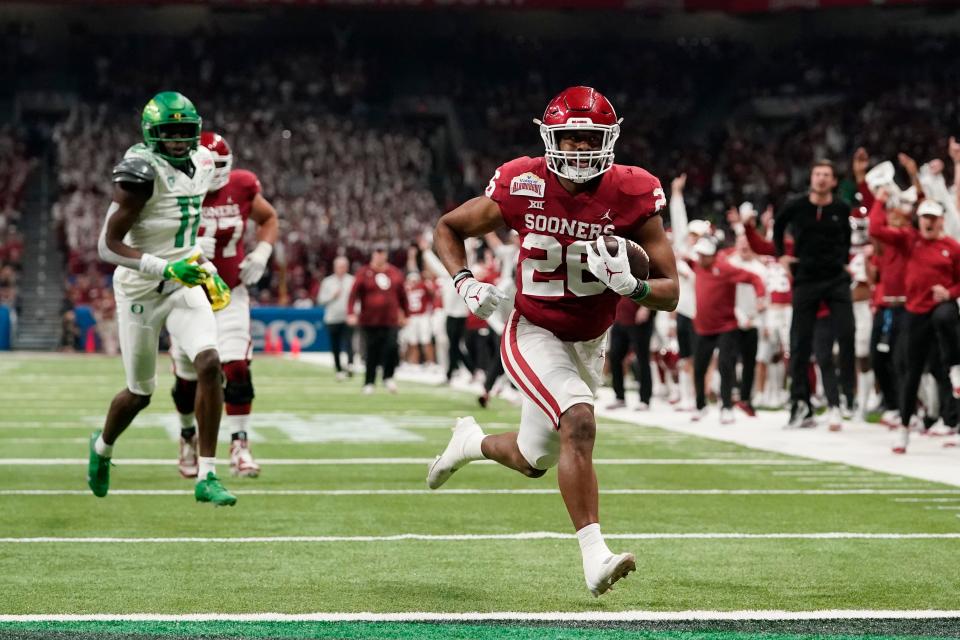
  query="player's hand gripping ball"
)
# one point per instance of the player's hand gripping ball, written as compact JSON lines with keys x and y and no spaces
{"x":618,"y":263}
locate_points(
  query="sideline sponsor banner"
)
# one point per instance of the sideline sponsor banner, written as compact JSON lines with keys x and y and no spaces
{"x":6,"y":327}
{"x":286,"y":323}
{"x":283,"y":322}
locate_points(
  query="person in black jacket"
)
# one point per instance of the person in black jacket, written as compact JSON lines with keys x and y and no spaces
{"x":821,"y":230}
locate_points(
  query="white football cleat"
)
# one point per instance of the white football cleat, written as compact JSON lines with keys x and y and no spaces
{"x":891,"y":419}
{"x":600,"y":577}
{"x":955,"y":380}
{"x":698,"y":415}
{"x":726,"y":416}
{"x":241,"y":460}
{"x":390,"y":385}
{"x":834,"y":419}
{"x":903,"y":439}
{"x":367,"y":389}
{"x":453,"y":457}
{"x":188,"y":463}
{"x":941,"y":430}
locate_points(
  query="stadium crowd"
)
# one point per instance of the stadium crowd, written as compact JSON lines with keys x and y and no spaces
{"x":15,"y":167}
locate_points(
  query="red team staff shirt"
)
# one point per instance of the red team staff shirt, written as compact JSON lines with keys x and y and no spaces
{"x":893,"y":256}
{"x":224,"y":215}
{"x":555,"y":289}
{"x":382,"y":296}
{"x":716,"y":289}
{"x":928,"y":262}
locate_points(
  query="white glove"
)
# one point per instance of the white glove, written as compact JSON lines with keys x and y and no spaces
{"x":482,"y":299}
{"x":207,"y":246}
{"x":612,"y":271}
{"x":255,"y":263}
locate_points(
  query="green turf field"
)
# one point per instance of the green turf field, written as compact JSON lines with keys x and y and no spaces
{"x":715,"y":526}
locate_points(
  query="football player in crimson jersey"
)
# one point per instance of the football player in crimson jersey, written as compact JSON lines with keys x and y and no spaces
{"x":234,"y":197}
{"x":562,"y":205}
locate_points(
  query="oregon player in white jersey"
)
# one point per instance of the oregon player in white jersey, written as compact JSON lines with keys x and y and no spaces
{"x":150,"y":234}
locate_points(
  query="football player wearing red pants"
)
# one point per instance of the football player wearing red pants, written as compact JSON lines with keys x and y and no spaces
{"x":562,"y":205}
{"x":234,"y":198}
{"x":932,"y":286}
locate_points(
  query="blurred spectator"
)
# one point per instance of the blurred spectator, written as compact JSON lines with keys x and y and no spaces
{"x":15,"y":168}
{"x":378,"y":289}
{"x":69,"y":332}
{"x":334,"y":294}
{"x":105,"y":313}
{"x":632,"y":330}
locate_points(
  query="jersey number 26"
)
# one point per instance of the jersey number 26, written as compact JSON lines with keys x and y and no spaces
{"x":557,"y":254}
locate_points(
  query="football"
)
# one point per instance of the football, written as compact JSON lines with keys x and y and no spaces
{"x":639,"y":260}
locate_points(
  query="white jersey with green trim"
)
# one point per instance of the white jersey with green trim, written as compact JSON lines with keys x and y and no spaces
{"x":167,"y":225}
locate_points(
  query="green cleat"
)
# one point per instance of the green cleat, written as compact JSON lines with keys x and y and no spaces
{"x":211,"y":490}
{"x":98,"y":470}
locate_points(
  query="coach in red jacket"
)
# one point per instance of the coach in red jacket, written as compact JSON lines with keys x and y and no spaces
{"x":715,"y":323}
{"x":378,"y":287}
{"x":932,"y":287}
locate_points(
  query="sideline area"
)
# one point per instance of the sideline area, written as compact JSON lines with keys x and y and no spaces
{"x":858,"y":444}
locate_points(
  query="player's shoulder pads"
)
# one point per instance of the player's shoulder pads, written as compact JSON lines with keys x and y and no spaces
{"x":134,"y":170}
{"x":635,"y":181}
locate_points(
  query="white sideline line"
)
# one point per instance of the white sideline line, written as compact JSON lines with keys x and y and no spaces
{"x":492,"y":492}
{"x":149,"y":462}
{"x":549,"y":616}
{"x":528,"y":535}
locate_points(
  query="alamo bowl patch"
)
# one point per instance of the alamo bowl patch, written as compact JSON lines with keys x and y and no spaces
{"x":527,"y":184}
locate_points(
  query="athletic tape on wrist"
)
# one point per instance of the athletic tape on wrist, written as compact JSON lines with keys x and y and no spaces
{"x":152,"y":265}
{"x":641,"y":291}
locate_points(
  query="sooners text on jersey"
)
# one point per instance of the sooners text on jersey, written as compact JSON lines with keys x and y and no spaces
{"x":555,"y":289}
{"x":225,"y":214}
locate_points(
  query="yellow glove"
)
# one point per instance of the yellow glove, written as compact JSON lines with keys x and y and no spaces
{"x":218,"y":293}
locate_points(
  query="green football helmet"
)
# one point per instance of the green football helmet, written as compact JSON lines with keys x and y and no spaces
{"x":170,"y":110}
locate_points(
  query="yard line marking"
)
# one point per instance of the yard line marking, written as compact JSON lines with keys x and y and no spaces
{"x":865,"y":485}
{"x":546,"y":616}
{"x":926,"y":499}
{"x":941,"y":508}
{"x":844,"y":480}
{"x":826,"y":472}
{"x":463,"y":537}
{"x":372,"y":461}
{"x":492,"y":492}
